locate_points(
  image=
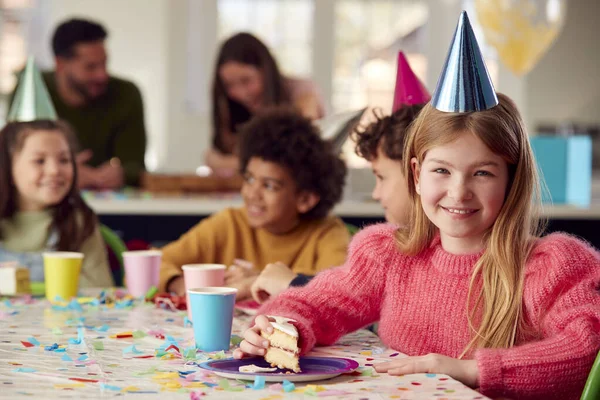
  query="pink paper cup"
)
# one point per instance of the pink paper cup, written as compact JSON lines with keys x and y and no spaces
{"x":202,"y":275}
{"x":141,"y":270}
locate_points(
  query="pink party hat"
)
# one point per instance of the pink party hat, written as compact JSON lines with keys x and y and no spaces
{"x":409,"y":89}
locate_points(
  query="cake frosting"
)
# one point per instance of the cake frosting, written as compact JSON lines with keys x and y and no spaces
{"x":283,"y":324}
{"x":252,"y":369}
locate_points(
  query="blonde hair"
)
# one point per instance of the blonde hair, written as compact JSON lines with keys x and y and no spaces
{"x":509,"y":240}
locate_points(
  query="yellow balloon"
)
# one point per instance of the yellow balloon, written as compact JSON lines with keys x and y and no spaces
{"x":521,"y":31}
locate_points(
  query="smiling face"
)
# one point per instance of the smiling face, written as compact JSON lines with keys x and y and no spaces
{"x":86,"y":72}
{"x":42,"y":170}
{"x":390,"y":188}
{"x":271,"y":197}
{"x":462,"y":186}
{"x":243,"y":83}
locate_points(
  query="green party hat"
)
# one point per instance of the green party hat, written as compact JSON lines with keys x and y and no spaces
{"x":32,"y":101}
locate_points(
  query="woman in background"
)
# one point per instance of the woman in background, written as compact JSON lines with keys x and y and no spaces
{"x":247,"y":80}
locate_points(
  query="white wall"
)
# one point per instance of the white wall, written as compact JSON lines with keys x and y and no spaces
{"x":188,"y":132}
{"x":565,"y":85}
{"x":137,"y":47}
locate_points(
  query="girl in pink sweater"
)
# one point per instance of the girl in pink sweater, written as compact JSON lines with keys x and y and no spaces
{"x":469,"y":288}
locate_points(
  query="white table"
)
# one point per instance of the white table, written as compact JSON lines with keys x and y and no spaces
{"x":100,"y":366}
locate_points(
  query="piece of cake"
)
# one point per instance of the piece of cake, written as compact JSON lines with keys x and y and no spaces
{"x":283,"y":351}
{"x":14,"y":279}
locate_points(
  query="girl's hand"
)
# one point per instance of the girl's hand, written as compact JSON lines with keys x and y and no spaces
{"x":465,"y":371}
{"x":254,"y":344}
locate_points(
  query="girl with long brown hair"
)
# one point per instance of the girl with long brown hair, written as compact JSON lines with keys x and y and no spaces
{"x":246,"y":80}
{"x":40,"y":206}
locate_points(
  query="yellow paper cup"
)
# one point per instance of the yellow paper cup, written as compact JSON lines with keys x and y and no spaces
{"x":61,"y":274}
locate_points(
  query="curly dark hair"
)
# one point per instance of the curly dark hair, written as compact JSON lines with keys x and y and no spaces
{"x":387,"y":133}
{"x":282,"y":136}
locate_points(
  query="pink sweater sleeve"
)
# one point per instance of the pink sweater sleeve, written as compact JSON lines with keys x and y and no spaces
{"x":339,"y":300}
{"x":563,"y":299}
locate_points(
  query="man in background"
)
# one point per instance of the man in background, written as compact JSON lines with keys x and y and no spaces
{"x":106,"y":112}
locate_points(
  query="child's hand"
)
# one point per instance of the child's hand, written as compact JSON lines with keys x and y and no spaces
{"x":243,"y":286}
{"x":177,"y":286}
{"x":254,"y":344}
{"x":465,"y":371}
{"x":240,"y":270}
{"x":274,"y":279}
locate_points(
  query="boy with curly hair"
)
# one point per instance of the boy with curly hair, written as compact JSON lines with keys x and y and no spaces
{"x":382,"y":143}
{"x":292,"y":180}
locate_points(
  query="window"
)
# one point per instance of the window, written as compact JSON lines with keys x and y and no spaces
{"x":285,"y":26}
{"x":368,"y":36}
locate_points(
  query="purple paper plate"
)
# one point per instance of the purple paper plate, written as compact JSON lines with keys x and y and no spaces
{"x":313,"y":369}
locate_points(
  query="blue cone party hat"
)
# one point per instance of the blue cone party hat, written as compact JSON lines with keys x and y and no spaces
{"x":464,"y":84}
{"x":32,"y":101}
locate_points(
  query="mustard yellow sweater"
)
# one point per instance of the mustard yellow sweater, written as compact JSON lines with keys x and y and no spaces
{"x":311,"y":247}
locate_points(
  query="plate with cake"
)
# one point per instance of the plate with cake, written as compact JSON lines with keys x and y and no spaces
{"x":312,"y":369}
{"x":282,"y":361}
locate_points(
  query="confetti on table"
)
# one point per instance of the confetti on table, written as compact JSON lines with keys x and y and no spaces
{"x":236,"y":340}
{"x":27,"y":344}
{"x":33,"y":341}
{"x":218,"y":356}
{"x":276,"y":387}
{"x":224,"y":384}
{"x":83,"y":358}
{"x":102,"y":328}
{"x":151,"y":292}
{"x":150,"y":371}
{"x":124,"y":304}
{"x":84,"y":380}
{"x":122,"y":335}
{"x":132,"y":389}
{"x":138,"y":334}
{"x":189,"y":353}
{"x":98,"y":345}
{"x":75,"y":306}
{"x":66,"y":357}
{"x":79,"y":339}
{"x":109,"y":387}
{"x":131,"y":349}
{"x":57,"y":331}
{"x":288,"y":386}
{"x":24,"y":369}
{"x":68,"y":385}
{"x":51,"y":347}
{"x":259,"y":382}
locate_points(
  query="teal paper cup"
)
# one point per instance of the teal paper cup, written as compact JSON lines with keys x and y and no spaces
{"x":212,"y":313}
